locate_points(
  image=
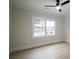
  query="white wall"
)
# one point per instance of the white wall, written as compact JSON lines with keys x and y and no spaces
{"x":67,"y":28}
{"x":21,"y":32}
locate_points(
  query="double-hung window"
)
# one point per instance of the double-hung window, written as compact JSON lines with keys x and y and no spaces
{"x":43,"y":27}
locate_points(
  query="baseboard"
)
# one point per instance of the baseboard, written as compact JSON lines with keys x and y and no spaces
{"x":67,"y":41}
{"x":22,"y":49}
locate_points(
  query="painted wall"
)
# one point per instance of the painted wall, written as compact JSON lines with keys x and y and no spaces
{"x":67,"y":28}
{"x":21,"y":29}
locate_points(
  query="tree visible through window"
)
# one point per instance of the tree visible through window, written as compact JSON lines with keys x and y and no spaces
{"x":43,"y":27}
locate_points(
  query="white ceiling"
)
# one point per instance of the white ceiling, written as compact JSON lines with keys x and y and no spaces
{"x":39,"y":5}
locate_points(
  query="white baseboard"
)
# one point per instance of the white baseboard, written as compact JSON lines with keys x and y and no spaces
{"x":30,"y":46}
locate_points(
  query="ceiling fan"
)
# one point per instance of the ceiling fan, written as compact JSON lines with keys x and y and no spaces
{"x":58,"y":4}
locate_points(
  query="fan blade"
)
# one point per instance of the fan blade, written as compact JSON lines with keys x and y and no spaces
{"x":60,"y":10}
{"x":65,"y":2}
{"x":57,"y":4}
{"x":50,"y":6}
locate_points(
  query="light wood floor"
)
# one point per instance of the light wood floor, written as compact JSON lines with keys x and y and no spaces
{"x":55,"y":51}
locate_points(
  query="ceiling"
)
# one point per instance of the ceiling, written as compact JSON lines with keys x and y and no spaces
{"x":39,"y":5}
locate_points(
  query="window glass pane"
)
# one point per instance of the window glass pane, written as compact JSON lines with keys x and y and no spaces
{"x":38,"y":27}
{"x":50,"y":28}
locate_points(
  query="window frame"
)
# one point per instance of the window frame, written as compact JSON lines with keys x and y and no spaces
{"x":34,"y":18}
{"x":53,"y":28}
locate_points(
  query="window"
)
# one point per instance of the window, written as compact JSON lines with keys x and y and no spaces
{"x":50,"y":28}
{"x":43,"y":27}
{"x":39,"y":27}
